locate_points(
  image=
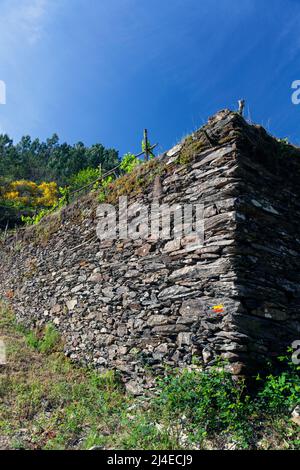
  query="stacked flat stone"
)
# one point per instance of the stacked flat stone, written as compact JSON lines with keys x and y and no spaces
{"x":139,"y":306}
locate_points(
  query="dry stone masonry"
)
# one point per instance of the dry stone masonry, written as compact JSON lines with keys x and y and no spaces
{"x":139,"y":306}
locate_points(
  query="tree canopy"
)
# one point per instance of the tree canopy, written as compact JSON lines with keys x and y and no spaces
{"x":31,"y":171}
{"x":48,"y":161}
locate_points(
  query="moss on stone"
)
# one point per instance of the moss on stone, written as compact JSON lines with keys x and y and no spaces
{"x":135,"y":183}
{"x":191,"y":148}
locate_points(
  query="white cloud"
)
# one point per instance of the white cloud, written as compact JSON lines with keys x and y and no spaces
{"x":21,"y":21}
{"x":32,"y":15}
{"x":23,"y":27}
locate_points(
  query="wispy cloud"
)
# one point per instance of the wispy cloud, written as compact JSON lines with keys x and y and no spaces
{"x":23,"y":29}
{"x":32,"y":16}
{"x":21,"y":21}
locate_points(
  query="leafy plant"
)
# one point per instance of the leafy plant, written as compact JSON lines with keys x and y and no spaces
{"x":35,"y":219}
{"x":281,"y":392}
{"x":129,"y":162}
{"x":148,"y":148}
{"x":61,"y":202}
{"x":104,"y":187}
{"x":210,"y":401}
{"x":83,"y":178}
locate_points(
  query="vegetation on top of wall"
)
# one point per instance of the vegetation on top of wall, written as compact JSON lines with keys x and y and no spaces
{"x":191,"y":148}
{"x":136,"y":181}
{"x":84,"y":178}
{"x":129,"y":162}
{"x":30,"y":201}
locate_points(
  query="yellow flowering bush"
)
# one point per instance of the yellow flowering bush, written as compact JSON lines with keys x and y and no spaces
{"x":31,"y":194}
{"x":49,"y":194}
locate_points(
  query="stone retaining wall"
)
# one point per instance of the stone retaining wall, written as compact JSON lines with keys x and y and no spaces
{"x":146,"y":304}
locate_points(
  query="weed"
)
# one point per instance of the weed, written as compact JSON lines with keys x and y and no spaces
{"x":191,"y":148}
{"x":45,"y":342}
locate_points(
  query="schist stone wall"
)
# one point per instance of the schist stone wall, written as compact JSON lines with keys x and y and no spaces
{"x":138,"y":306}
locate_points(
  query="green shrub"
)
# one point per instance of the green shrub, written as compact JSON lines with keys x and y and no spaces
{"x":129,"y":162}
{"x":104,"y":187}
{"x":280,"y":392}
{"x":35,"y":219}
{"x":210,"y":401}
{"x":84,"y":178}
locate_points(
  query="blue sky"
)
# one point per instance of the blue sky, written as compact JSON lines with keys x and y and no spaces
{"x":102,"y":70}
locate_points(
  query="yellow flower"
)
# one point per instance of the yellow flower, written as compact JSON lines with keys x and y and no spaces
{"x":31,"y":194}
